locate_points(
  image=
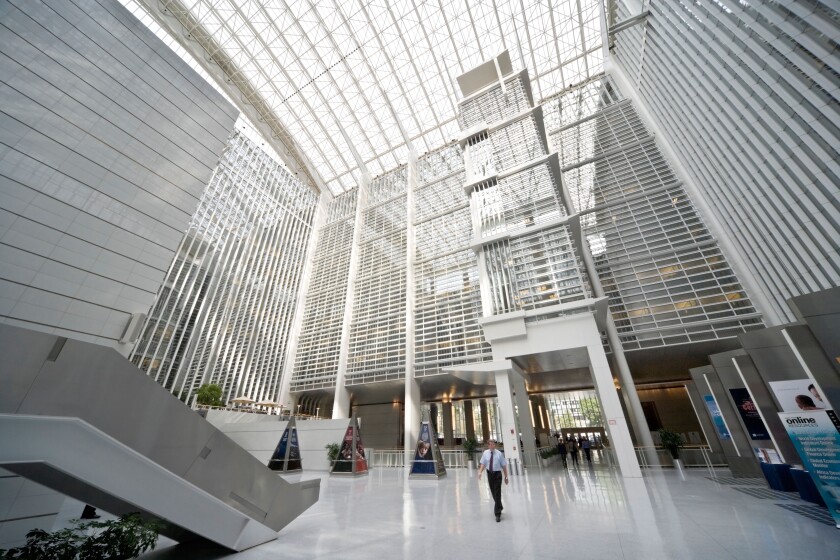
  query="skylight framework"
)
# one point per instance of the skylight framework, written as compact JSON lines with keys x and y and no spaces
{"x":360,"y":84}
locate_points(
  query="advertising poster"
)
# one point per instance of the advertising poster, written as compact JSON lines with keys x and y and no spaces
{"x":816,"y":436}
{"x":749,"y":414}
{"x":286,"y":456}
{"x":717,"y":418}
{"x":798,"y":394}
{"x":351,"y":455}
{"x":424,"y":461}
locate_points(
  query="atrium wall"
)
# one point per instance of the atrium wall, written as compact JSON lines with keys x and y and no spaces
{"x":108,"y":140}
{"x":747,"y":96}
{"x":225,"y":311}
{"x":667,"y":279}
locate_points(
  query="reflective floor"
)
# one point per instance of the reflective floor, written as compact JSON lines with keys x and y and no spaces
{"x":585,"y":513}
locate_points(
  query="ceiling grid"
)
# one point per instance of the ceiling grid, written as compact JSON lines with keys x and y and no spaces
{"x":355,"y":86}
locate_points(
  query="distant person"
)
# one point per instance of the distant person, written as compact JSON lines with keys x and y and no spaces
{"x":573,"y":450}
{"x":805,"y":402}
{"x":561,"y":449}
{"x":494,"y":462}
{"x":818,"y":400}
{"x":586,"y":445}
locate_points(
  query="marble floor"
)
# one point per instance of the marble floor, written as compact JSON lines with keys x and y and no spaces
{"x":585,"y":513}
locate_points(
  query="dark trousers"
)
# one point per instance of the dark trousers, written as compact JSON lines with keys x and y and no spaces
{"x":574,"y":455}
{"x":494,"y":479}
{"x":588,"y":453}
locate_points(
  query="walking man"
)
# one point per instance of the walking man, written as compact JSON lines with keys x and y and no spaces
{"x":493,"y":461}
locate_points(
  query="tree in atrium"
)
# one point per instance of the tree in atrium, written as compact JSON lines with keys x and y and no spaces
{"x":209,"y":394}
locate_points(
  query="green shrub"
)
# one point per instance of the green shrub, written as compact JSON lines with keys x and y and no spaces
{"x":127,"y":537}
{"x":672,"y":441}
{"x":209,"y":394}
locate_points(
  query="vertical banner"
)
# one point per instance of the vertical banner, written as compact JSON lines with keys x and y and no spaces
{"x":717,"y":417}
{"x":816,"y":436}
{"x":749,"y":414}
{"x":428,"y":461}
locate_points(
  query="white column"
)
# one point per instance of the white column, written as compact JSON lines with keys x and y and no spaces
{"x":616,"y":423}
{"x":411,"y":428}
{"x":507,"y":413}
{"x":341,"y":402}
{"x":523,"y":406}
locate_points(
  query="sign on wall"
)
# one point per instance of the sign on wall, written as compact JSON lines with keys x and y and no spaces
{"x":717,"y":417}
{"x":798,"y":394}
{"x":749,"y":414}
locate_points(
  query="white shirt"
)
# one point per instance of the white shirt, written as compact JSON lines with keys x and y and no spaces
{"x":499,"y":461}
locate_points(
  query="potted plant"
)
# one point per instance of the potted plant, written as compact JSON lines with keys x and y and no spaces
{"x":470,"y":445}
{"x":672,"y":441}
{"x":332,"y":453}
{"x":546,"y":455}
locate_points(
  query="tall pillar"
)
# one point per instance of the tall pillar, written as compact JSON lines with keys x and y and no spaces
{"x":341,"y":403}
{"x":411,"y":427}
{"x":709,"y":430}
{"x":411,"y":418}
{"x":469,"y":420}
{"x":485,"y":420}
{"x":631,"y":396}
{"x":446,"y":413}
{"x":514,"y":412}
{"x":616,"y":424}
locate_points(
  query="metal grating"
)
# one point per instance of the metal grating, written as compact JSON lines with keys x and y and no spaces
{"x":224,"y":312}
{"x":447,"y":293}
{"x":667,"y":281}
{"x":747,"y":95}
{"x":316,"y":364}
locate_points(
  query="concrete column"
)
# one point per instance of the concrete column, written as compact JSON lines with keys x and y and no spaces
{"x":448,"y":437}
{"x":507,"y":413}
{"x":411,"y":429}
{"x":616,"y":423}
{"x":341,"y":404}
{"x":702,"y":413}
{"x":631,"y":397}
{"x":766,"y":408}
{"x":485,"y":420}
{"x":542,"y":430}
{"x":469,"y":420}
{"x":739,"y":452}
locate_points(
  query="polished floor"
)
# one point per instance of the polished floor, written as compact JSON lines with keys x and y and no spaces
{"x":585,"y":513}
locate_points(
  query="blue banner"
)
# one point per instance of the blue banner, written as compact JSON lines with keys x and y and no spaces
{"x":717,"y":418}
{"x":816,"y":436}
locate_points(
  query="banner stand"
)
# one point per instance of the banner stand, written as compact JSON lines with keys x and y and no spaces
{"x":286,"y":457}
{"x":428,"y":461}
{"x":351,"y":455}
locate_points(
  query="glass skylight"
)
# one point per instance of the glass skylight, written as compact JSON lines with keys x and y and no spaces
{"x":357,"y":84}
